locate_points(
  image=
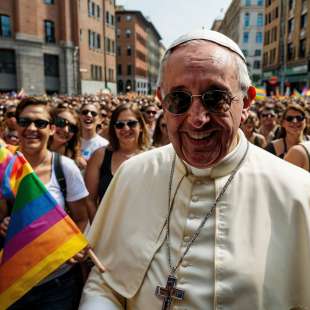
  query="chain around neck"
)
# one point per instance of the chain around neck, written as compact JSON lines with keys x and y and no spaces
{"x":173,"y":269}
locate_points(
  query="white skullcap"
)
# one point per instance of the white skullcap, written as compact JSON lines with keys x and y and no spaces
{"x":208,"y":35}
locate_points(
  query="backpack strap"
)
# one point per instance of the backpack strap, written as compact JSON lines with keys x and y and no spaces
{"x":307,"y":151}
{"x":60,"y":177}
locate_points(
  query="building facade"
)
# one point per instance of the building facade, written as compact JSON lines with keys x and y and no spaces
{"x":138,"y":52}
{"x":244,"y":23}
{"x":36,"y":53}
{"x":286,"y":54}
{"x":60,"y":49}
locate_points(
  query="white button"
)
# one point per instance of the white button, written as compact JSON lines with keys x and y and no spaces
{"x":195,"y":198}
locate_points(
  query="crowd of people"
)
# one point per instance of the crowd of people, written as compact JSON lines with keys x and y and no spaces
{"x":87,"y":139}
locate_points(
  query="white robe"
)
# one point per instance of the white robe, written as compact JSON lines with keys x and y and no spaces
{"x":253,"y":254}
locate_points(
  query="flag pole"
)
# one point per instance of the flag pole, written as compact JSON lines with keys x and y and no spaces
{"x":96,"y":261}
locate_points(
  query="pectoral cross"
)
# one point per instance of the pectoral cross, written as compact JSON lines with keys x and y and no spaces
{"x":169,"y":292}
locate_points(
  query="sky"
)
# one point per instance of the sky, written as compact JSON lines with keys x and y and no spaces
{"x":173,"y":18}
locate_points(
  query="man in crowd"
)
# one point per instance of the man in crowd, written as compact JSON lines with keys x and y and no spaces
{"x":210,"y":221}
{"x":268,"y":123}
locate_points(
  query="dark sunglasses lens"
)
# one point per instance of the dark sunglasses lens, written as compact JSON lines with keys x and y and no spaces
{"x":73,"y":128}
{"x":119,"y":124}
{"x":132,"y":123}
{"x":216,"y":101}
{"x":41,"y":123}
{"x":10,"y":114}
{"x":178,"y":102}
{"x":60,"y":122}
{"x":299,"y":118}
{"x":93,"y":113}
{"x":23,"y":122}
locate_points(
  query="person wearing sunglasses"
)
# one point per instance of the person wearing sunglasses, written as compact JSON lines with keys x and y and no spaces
{"x":128,"y":136}
{"x":269,"y":127}
{"x":293,"y":125}
{"x":90,"y":140}
{"x":210,"y":221}
{"x":149,"y":111}
{"x":35,"y":126}
{"x":66,"y":139}
{"x":10,"y":117}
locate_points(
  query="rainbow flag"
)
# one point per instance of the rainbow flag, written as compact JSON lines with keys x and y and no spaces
{"x":41,"y":236}
{"x":260,"y":94}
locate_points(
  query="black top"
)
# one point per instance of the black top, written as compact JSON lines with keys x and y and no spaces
{"x":105,"y":174}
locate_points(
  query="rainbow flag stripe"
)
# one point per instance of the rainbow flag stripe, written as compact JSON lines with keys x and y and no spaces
{"x":38,"y":225}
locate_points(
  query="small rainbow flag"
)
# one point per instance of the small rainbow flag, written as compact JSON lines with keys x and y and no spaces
{"x":260,"y":94}
{"x":41,"y":236}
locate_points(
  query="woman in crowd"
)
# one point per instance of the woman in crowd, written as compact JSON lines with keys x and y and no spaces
{"x":66,"y":139}
{"x":160,"y":136}
{"x":149,"y":111}
{"x":249,"y":129}
{"x":293,"y":124}
{"x":128,"y":137}
{"x":90,"y":140}
{"x":35,"y":126}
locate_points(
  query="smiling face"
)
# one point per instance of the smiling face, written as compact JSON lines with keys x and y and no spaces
{"x":291,"y":124}
{"x":89,"y":117}
{"x":128,"y":135}
{"x":33,"y":139}
{"x":199,"y":137}
{"x":64,"y":135}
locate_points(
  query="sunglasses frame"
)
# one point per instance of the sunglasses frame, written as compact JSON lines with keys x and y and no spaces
{"x":28,"y":121}
{"x":226,"y":97}
{"x":86,"y":112}
{"x":72,"y":127}
{"x":299,"y":118}
{"x":10,"y":114}
{"x":133,"y":123}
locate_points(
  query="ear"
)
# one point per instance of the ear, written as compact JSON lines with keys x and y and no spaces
{"x":52,"y":129}
{"x":159,"y":96}
{"x":247,"y":101}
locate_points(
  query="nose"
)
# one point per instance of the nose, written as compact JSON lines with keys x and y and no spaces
{"x":66,"y":128}
{"x":31,"y":126}
{"x":198,"y":115}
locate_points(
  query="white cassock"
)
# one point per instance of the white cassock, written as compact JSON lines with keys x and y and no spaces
{"x":253,"y":254}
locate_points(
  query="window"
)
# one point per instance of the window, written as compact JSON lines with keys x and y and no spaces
{"x":128,"y":50}
{"x":128,"y":18}
{"x":112,"y":20}
{"x":51,"y":65}
{"x":96,"y":72}
{"x":48,"y":1}
{"x":246,"y":37}
{"x":113,"y":46}
{"x":245,"y":53}
{"x":276,"y":12}
{"x":257,"y":53}
{"x":111,"y":75}
{"x":260,"y":2}
{"x":246,"y":19}
{"x":290,"y":5}
{"x":290,"y":27}
{"x":5,"y":26}
{"x":118,"y":33}
{"x":118,"y":18}
{"x":98,"y":45}
{"x":290,"y":51}
{"x":129,"y":70}
{"x":259,"y":37}
{"x":128,"y":33}
{"x":98,"y":11}
{"x":119,"y":69}
{"x":7,"y":61}
{"x":247,"y":2}
{"x":119,"y":51}
{"x":93,"y":9}
{"x":49,"y":30}
{"x":260,"y":19}
{"x":303,"y":21}
{"x":108,"y":43}
{"x":302,"y":48}
{"x":256,"y":64}
{"x":89,"y":7}
{"x":107,"y":17}
{"x":303,"y":5}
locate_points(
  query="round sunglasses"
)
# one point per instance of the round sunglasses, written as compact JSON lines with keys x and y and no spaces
{"x":26,"y":122}
{"x":62,"y":123}
{"x":298,"y":118}
{"x":130,"y":123}
{"x":215,"y":101}
{"x":86,"y":112}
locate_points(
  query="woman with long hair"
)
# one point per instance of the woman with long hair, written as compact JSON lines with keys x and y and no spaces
{"x":160,"y":136}
{"x":293,"y":124}
{"x":128,"y":136}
